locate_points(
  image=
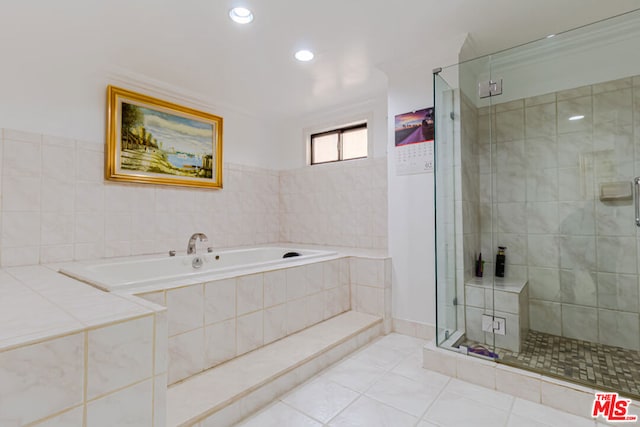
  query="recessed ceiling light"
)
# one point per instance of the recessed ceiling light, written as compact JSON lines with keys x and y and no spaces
{"x":241,"y":15}
{"x":304,"y":55}
{"x":576,"y":118}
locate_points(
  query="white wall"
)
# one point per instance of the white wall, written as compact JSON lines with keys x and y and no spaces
{"x":54,"y":84}
{"x":411,"y":207}
{"x":294,"y":132}
{"x":336,"y":204}
{"x":571,"y":60}
{"x":56,"y":205}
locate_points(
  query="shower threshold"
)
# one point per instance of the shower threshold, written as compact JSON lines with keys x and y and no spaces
{"x":585,"y":362}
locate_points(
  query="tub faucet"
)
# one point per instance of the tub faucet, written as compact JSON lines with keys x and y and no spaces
{"x":191,"y":247}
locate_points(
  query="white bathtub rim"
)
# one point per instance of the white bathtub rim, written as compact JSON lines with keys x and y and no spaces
{"x":188,"y":280}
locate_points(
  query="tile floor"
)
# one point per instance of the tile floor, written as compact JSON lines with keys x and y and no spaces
{"x":384,"y":385}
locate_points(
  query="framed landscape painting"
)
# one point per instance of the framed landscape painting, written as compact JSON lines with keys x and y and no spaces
{"x":158,"y":142}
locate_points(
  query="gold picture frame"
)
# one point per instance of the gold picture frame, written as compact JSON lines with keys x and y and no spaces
{"x":158,"y":142}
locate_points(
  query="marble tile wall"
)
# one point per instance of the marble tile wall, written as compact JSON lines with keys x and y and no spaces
{"x":56,"y":206}
{"x":337,"y":204}
{"x":267,"y":393}
{"x":370,"y":280}
{"x":213,"y":322}
{"x":104,"y":376}
{"x":579,"y":254}
{"x":467,"y":201}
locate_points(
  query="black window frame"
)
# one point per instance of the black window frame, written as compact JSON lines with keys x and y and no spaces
{"x":339,"y":132}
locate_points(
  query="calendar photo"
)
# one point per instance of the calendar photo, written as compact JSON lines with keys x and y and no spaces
{"x":414,"y":127}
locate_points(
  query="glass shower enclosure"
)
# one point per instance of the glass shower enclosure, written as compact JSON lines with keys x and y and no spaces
{"x":538,"y":151}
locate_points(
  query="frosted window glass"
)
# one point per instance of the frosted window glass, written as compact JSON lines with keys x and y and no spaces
{"x":325,"y":148}
{"x":354,"y":144}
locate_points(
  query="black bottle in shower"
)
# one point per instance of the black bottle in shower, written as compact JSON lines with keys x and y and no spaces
{"x":500,"y":260}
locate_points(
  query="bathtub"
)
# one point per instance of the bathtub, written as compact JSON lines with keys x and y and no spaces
{"x":134,"y":273}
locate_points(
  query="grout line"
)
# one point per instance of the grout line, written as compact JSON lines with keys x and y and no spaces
{"x":345,"y":342}
{"x":119,"y":389}
{"x":49,"y":417}
{"x":153,"y":370}
{"x":293,"y":407}
{"x":63,"y":332}
{"x":85,"y":390}
{"x":84,"y":323}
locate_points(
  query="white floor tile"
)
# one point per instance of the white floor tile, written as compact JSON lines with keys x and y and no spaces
{"x":411,"y":368}
{"x":355,"y":374}
{"x":279,"y":415}
{"x":367,"y":412}
{"x":382,"y":356}
{"x":547,"y":415}
{"x":402,"y":393}
{"x":480,"y":394}
{"x":321,"y":398}
{"x":453,"y":410}
{"x":398,"y":392}
{"x":520,"y":421}
{"x":402,"y":343}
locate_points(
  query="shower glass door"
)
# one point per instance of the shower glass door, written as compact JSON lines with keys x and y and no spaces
{"x":445,"y":182}
{"x":564,"y":153}
{"x":548,"y":168}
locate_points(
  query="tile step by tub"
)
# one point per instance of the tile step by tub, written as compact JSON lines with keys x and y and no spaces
{"x":231,"y":391}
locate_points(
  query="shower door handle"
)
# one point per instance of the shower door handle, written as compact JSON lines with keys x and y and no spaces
{"x":636,"y":195}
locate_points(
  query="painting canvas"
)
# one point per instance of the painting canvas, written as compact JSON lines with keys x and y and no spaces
{"x":158,"y":142}
{"x":414,"y":127}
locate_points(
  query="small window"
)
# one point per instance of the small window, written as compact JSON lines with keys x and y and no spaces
{"x":339,"y":144}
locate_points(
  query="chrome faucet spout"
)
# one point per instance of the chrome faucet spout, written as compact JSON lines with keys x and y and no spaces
{"x":191,"y":247}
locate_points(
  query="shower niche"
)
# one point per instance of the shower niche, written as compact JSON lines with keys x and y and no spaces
{"x":546,"y":168}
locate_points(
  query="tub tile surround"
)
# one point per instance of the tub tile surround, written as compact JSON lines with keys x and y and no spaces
{"x":62,"y":209}
{"x":341,"y":204}
{"x":57,"y":207}
{"x":100,"y":363}
{"x":213,"y":322}
{"x":257,"y":378}
{"x":569,"y":245}
{"x":370,"y":281}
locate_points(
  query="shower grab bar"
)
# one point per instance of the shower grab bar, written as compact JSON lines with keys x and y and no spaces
{"x":636,"y":195}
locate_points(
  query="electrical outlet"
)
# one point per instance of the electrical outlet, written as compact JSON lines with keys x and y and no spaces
{"x":487,"y":323}
{"x":494,"y":325}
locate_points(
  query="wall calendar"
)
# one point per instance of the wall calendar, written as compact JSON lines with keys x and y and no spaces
{"x":414,"y":142}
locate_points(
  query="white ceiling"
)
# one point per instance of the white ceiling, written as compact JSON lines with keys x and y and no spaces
{"x":193,"y":45}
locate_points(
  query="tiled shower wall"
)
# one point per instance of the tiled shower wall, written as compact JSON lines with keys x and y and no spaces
{"x":579,"y":254}
{"x":337,"y":204}
{"x":56,"y":206}
{"x":470,"y":194}
{"x":467,"y":199}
